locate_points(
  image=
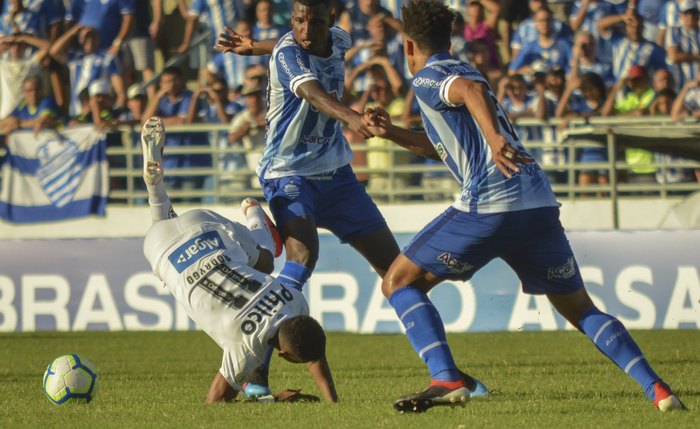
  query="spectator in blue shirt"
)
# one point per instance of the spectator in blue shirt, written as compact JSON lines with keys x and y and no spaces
{"x":42,"y":18}
{"x":87,"y":64}
{"x":114,"y":20}
{"x":683,"y":45}
{"x":584,"y":97}
{"x":355,"y":18}
{"x":265,"y":28}
{"x":34,"y":111}
{"x":669,"y":17}
{"x":632,"y":49}
{"x":527,"y":30}
{"x":172,"y":103}
{"x":233,"y":67}
{"x":549,"y":50}
{"x":584,"y":59}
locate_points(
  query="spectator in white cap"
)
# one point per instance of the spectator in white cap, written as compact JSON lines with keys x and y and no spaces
{"x":136,"y":104}
{"x":101,"y":104}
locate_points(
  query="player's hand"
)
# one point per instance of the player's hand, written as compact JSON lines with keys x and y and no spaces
{"x":377,"y":121}
{"x":234,"y":42}
{"x":506,"y":157}
{"x":356,"y":123}
{"x":295,"y":395}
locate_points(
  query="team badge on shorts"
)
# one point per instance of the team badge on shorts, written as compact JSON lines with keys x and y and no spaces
{"x":291,"y":190}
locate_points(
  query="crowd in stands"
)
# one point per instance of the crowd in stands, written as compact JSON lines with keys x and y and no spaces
{"x":68,"y":62}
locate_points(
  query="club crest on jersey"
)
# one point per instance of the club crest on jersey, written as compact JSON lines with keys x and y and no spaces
{"x":195,"y":249}
{"x":453,"y":264}
{"x":562,"y":272}
{"x":440,"y":149}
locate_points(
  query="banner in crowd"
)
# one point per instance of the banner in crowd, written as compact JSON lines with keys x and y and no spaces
{"x":649,"y":280}
{"x":53,"y":176}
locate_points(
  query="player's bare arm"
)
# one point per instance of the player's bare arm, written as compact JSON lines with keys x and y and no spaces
{"x":233,"y":42}
{"x":313,"y":92}
{"x":475,"y":96}
{"x":378,"y":121}
{"x":321,"y":373}
{"x":220,"y":390}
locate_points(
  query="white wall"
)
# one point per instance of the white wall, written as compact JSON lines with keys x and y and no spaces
{"x":579,"y":215}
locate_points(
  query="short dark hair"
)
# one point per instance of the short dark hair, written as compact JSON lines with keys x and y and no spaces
{"x":592,"y":80}
{"x":305,"y":336}
{"x":313,"y":3}
{"x":428,"y":23}
{"x":176,"y":71}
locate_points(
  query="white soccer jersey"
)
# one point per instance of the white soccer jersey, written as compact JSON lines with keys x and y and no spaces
{"x":205,"y":261}
{"x":302,"y":141}
{"x":462,"y":147}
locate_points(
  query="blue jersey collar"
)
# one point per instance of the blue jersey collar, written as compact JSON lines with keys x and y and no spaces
{"x":440,"y":56}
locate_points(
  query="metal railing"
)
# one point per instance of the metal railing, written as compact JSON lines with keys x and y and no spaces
{"x":402,"y":178}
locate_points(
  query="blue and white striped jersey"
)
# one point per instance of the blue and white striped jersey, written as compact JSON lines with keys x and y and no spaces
{"x":87,"y":68}
{"x":526,"y":32}
{"x":302,"y":141}
{"x":670,"y":15}
{"x":460,"y":143}
{"x":232,"y":67}
{"x":688,"y":42}
{"x":215,"y":14}
{"x":626,"y":53}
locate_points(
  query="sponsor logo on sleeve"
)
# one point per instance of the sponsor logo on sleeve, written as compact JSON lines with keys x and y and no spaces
{"x":283,"y":63}
{"x":195,"y":249}
{"x":426,"y":83}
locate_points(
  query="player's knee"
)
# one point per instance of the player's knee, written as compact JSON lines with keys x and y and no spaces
{"x":391,"y":282}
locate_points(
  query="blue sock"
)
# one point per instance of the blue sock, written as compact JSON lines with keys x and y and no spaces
{"x":268,"y":357}
{"x":294,"y":274}
{"x":613,"y":340}
{"x":425,"y":331}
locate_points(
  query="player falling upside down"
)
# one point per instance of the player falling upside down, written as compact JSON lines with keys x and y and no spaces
{"x":506,"y":209}
{"x":218,"y":270}
{"x":305,"y":169}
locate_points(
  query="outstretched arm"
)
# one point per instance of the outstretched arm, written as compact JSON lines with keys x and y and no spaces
{"x":243,"y":45}
{"x":220,"y":390}
{"x":321,"y":373}
{"x":59,"y":48}
{"x":379,"y":123}
{"x":313,"y":92}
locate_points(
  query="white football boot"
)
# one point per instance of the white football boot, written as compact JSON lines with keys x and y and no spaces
{"x":152,"y":141}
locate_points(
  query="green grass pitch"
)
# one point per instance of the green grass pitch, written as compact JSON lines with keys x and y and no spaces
{"x":538,"y":380}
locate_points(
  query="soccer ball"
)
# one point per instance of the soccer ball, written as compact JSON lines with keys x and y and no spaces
{"x":70,"y":378}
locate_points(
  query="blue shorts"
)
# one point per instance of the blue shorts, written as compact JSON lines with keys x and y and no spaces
{"x":456,"y":244}
{"x":335,"y":201}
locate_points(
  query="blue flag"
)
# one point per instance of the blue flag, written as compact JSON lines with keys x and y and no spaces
{"x":54,"y":176}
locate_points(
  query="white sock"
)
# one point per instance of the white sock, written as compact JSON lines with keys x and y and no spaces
{"x":255,"y":221}
{"x":159,"y":202}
